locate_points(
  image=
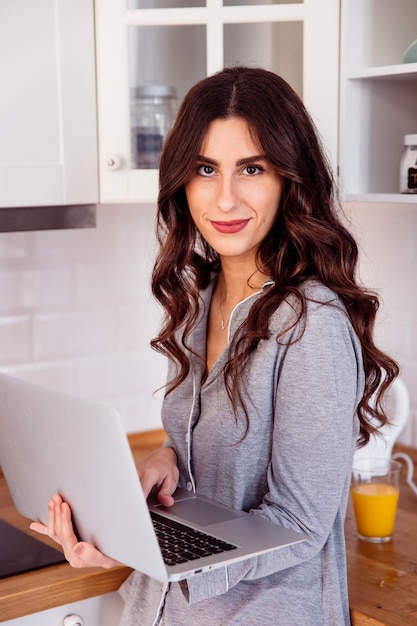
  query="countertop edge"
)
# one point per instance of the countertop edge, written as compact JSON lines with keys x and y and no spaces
{"x":54,"y":586}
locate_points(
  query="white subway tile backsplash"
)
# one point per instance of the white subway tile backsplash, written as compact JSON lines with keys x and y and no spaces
{"x":132,"y":327}
{"x":139,"y":323}
{"x":112,"y":240}
{"x":59,"y":375}
{"x":408,"y":433}
{"x":388,"y":229}
{"x":120,"y":374}
{"x":141,"y":412}
{"x":395,"y":331}
{"x":388,"y":240}
{"x":414,"y":338}
{"x":59,"y":334}
{"x":76,"y":312}
{"x":70,"y":245}
{"x":15,"y":339}
{"x":24,"y":288}
{"x":110,"y":283}
{"x":13,"y":246}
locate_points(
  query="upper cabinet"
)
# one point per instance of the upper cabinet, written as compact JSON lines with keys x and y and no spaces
{"x":150,"y":52}
{"x":48,"y":103}
{"x":378,"y":97}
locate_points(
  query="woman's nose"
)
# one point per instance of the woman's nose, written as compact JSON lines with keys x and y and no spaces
{"x":228,"y":194}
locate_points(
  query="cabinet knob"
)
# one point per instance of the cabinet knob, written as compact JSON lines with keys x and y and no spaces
{"x":73,"y":620}
{"x":113,"y":162}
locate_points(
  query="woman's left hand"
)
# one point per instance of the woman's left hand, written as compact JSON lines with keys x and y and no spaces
{"x":60,"y":529}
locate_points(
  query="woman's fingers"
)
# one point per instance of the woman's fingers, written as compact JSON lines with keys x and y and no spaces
{"x":60,"y":529}
{"x":159,"y":470}
{"x":64,"y":527}
{"x":49,"y":528}
{"x":84,"y":554}
{"x":39,"y":528}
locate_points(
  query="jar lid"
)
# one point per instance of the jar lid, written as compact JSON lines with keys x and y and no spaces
{"x":410,"y":140}
{"x":153,"y":90}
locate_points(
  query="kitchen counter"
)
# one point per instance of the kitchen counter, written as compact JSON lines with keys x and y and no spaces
{"x":382,"y":578}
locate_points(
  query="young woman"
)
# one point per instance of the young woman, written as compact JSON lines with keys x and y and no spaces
{"x":273,"y":372}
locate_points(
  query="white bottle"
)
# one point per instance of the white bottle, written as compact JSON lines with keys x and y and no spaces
{"x":408,"y":166}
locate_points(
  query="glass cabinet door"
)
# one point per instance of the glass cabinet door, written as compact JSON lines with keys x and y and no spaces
{"x":276,"y":46}
{"x":150,"y":52}
{"x":161,"y":71}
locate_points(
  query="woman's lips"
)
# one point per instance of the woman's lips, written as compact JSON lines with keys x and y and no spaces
{"x":232,"y":226}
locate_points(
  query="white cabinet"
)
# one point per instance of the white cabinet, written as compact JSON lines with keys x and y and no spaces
{"x":177,"y":42}
{"x":48,"y":104}
{"x":378,"y":101}
{"x":97,"y":611}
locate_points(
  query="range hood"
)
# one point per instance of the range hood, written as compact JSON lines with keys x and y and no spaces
{"x":14,"y":219}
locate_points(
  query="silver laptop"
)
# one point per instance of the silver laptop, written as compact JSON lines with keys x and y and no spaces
{"x":51,"y":442}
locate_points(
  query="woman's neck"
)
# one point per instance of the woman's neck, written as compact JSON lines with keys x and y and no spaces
{"x":235,"y":283}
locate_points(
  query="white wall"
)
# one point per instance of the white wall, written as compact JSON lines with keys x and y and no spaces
{"x":76,"y":311}
{"x":387,"y":236}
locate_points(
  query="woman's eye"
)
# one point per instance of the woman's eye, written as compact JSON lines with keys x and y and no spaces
{"x":253,"y":169}
{"x":205,"y":170}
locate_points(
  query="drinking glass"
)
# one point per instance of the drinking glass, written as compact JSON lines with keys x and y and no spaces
{"x":375,"y":491}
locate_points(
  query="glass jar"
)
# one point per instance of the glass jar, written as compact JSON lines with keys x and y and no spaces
{"x":152,"y":113}
{"x":408,"y":166}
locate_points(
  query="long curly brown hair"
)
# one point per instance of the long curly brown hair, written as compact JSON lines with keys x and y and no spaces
{"x":308,"y":239}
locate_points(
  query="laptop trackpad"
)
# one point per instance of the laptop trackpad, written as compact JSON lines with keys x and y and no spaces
{"x":201,"y":513}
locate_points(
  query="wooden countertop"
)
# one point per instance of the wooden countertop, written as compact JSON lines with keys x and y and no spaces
{"x":382,"y":578}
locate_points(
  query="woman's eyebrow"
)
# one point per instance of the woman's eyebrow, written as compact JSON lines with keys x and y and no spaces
{"x":245,"y":161}
{"x":207,"y":160}
{"x":251,"y":159}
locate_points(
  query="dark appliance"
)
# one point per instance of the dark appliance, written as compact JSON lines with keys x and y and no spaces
{"x":21,"y":553}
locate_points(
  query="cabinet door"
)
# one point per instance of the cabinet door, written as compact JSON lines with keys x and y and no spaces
{"x":48,"y":121}
{"x":176,"y":42}
{"x":96,"y":611}
{"x":378,"y":97}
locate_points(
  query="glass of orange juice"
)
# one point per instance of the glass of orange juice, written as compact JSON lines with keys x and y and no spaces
{"x":375,"y":490}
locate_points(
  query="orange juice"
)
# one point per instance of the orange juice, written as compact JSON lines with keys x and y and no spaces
{"x":375,"y":506}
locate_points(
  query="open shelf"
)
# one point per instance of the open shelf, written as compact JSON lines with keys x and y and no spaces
{"x":378,"y":97}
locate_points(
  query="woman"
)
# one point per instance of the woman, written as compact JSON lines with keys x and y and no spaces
{"x":273,"y":371}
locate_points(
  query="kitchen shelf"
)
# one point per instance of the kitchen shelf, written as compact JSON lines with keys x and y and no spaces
{"x":378,"y":96}
{"x":393,"y":198}
{"x":403,"y":71}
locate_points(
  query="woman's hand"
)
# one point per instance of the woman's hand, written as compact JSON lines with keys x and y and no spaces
{"x":60,"y":529}
{"x":159,"y":470}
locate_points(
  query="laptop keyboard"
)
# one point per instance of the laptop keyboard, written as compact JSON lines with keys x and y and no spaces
{"x":180,"y":543}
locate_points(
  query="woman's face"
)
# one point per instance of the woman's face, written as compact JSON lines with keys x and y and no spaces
{"x":234,"y":194}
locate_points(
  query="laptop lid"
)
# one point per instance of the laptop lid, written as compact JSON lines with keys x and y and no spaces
{"x":52,"y":442}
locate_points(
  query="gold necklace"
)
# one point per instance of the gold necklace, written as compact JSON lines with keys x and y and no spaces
{"x":223,"y":323}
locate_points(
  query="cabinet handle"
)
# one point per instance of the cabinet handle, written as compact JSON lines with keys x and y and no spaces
{"x":73,"y":620}
{"x":113,"y":162}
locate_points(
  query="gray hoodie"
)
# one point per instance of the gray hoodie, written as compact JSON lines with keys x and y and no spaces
{"x":293,"y":467}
